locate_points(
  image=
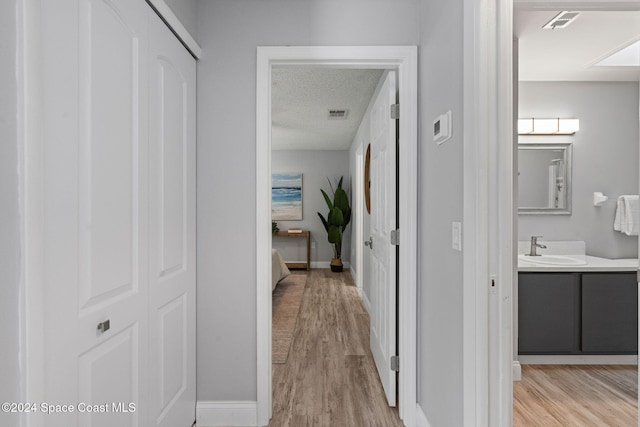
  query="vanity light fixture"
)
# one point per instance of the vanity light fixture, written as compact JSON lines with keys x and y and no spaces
{"x":557,"y":126}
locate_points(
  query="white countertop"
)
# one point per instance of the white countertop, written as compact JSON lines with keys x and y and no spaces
{"x":593,"y":264}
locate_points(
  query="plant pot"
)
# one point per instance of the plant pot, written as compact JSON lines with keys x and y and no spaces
{"x":336,"y":265}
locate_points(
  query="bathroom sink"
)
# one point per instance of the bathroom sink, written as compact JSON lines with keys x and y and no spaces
{"x":553,"y":259}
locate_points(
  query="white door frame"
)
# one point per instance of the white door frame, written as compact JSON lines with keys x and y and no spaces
{"x":404,"y":60}
{"x":487,"y":217}
{"x":488,"y":146}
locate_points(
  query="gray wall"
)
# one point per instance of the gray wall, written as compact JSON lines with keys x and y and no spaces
{"x":187,"y":13}
{"x":9,"y":219}
{"x":316,"y":166}
{"x":229,"y":32}
{"x":226,"y":168}
{"x":440,"y":392}
{"x":605,"y":158}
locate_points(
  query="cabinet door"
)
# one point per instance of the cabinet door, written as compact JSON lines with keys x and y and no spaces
{"x":610,"y":313}
{"x":548,"y":321}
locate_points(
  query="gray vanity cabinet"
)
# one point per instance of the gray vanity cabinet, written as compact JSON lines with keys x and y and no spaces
{"x":548,"y":313}
{"x":577,"y":313}
{"x":609,"y":313}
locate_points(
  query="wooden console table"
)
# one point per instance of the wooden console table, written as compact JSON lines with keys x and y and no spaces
{"x":305,"y":234}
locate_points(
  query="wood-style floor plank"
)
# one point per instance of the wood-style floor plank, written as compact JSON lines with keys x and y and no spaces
{"x":330,"y":378}
{"x":576,"y":395}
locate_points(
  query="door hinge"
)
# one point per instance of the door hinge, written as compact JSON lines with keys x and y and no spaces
{"x":395,"y":363}
{"x":395,"y":111}
{"x":395,"y":237}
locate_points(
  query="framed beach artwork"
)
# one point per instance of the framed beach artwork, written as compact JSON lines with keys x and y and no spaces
{"x":286,"y":196}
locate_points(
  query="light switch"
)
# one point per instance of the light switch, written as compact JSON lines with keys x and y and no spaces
{"x":456,"y":236}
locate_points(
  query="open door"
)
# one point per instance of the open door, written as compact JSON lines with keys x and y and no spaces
{"x":383,"y":221}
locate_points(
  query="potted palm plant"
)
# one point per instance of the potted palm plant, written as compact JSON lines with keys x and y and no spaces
{"x":336,"y":221}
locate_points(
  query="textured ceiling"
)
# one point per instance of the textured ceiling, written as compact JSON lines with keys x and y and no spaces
{"x":571,"y":53}
{"x":302,"y":97}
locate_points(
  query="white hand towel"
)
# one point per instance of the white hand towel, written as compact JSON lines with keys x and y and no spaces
{"x":617,"y":222}
{"x":631,"y":226}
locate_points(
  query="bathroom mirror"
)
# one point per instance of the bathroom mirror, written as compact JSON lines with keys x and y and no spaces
{"x":544,"y":178}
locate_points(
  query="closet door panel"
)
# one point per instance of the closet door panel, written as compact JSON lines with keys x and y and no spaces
{"x":172,"y":228}
{"x":96,"y":210}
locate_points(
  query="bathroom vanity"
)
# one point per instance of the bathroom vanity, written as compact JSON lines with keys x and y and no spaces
{"x":587,"y":309}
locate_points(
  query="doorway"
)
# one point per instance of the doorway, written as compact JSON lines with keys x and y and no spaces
{"x":593,"y":94}
{"x":404,"y":61}
{"x":496,"y":37}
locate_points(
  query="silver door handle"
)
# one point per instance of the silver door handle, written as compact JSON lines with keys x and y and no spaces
{"x":104,"y":326}
{"x":369,"y":242}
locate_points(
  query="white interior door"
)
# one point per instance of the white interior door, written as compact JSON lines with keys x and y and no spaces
{"x":172,"y":268}
{"x":95,"y":198}
{"x":383,"y":221}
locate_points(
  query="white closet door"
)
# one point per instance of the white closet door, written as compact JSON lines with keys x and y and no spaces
{"x":113,"y":194}
{"x":172,"y":291}
{"x":118,"y":330}
{"x":95,"y":210}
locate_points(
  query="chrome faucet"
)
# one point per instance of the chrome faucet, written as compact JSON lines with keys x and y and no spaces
{"x":535,"y":245}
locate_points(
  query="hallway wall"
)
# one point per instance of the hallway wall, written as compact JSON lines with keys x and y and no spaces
{"x":440,"y":190}
{"x":226,"y":168}
{"x":226,"y":158}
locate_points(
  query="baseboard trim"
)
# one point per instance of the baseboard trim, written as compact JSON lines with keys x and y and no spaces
{"x":226,"y":413}
{"x":516,"y":370}
{"x":326,"y":264}
{"x":366,"y":303}
{"x":421,"y":418}
{"x":578,"y":359}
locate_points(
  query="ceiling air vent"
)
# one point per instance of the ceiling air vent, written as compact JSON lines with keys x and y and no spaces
{"x":561,"y":20}
{"x":338,"y":114}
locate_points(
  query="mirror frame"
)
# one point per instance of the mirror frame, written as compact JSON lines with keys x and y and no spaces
{"x":568,"y":155}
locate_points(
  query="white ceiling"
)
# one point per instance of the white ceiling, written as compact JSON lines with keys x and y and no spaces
{"x":302,"y":97}
{"x":571,"y":53}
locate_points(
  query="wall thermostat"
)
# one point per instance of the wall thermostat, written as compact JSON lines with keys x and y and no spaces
{"x":442,"y":128}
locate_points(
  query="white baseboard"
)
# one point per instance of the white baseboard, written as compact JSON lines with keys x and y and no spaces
{"x":366,"y":302}
{"x":231,"y":413}
{"x":421,"y":418}
{"x":516,"y":371}
{"x":578,"y":360}
{"x":324,"y":264}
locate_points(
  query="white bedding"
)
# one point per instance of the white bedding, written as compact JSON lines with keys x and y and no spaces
{"x":279,"y":269}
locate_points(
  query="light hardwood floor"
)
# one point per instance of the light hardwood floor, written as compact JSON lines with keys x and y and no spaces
{"x":330,"y":378}
{"x":597,"y":395}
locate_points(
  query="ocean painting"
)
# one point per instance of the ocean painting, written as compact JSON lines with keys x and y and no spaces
{"x":286,"y":196}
